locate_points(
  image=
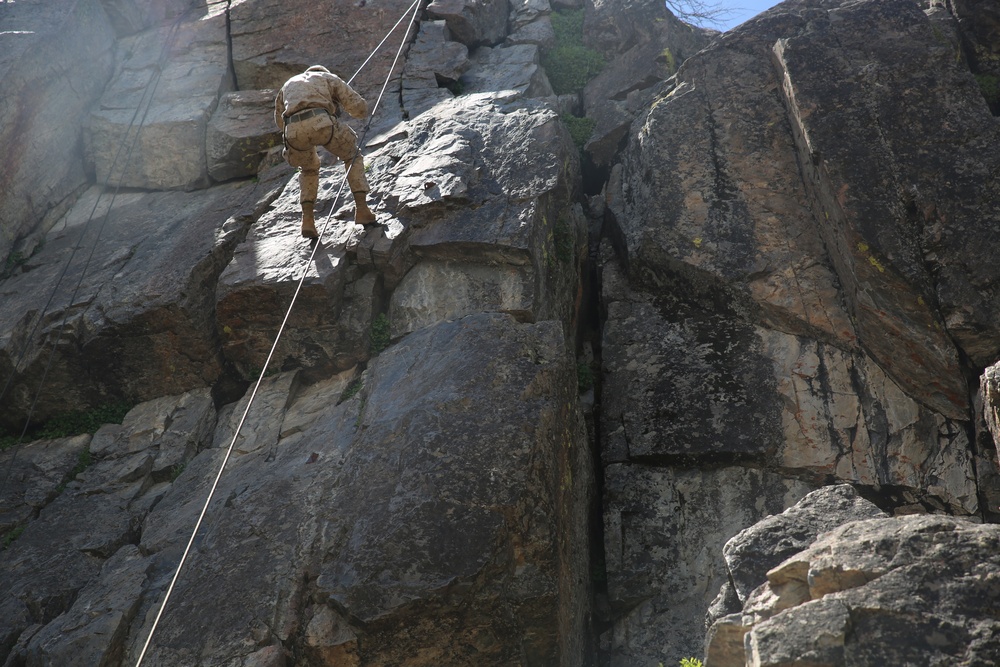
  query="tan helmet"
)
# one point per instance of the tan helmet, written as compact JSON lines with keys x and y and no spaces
{"x":318,"y":68}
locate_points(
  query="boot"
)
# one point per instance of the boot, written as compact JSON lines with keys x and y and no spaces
{"x":308,"y":223}
{"x":362,"y":214}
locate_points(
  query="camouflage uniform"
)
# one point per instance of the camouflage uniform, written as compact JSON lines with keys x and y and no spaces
{"x":306,"y":111}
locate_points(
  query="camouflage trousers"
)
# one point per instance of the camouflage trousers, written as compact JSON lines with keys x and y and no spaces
{"x":301,"y":140}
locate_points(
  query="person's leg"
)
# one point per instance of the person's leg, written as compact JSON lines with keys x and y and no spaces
{"x":344,"y":145}
{"x":308,"y":163}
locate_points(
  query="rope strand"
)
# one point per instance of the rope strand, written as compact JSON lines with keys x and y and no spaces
{"x":281,"y":329}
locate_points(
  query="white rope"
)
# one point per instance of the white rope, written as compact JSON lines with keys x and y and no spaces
{"x":281,"y":329}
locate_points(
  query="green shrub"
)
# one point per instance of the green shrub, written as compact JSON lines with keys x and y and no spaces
{"x":350,"y":391}
{"x":570,"y":64}
{"x":584,"y":376}
{"x":562,"y":240}
{"x":82,"y":421}
{"x":990,"y":86}
{"x":379,"y":335}
{"x":14,"y":260}
{"x":690,"y":662}
{"x":11,"y":536}
{"x":579,"y":128}
{"x":83,"y":461}
{"x":667,"y":57}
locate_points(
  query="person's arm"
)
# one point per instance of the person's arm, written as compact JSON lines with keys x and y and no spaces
{"x":353,"y":103}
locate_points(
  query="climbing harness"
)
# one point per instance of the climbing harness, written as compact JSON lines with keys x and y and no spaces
{"x":315,"y":245}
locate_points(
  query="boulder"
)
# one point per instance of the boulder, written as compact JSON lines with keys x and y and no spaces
{"x":753,"y":552}
{"x":473,"y":22}
{"x":433,"y":61}
{"x":149,"y":129}
{"x":511,"y":69}
{"x":529,"y":23}
{"x":539,"y":32}
{"x":909,"y":590}
{"x":40,"y":113}
{"x":241,"y":132}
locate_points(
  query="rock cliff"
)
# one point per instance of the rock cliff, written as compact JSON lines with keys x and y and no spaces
{"x":695,"y":358}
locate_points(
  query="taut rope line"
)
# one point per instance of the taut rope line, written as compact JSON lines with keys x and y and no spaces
{"x":284,"y":322}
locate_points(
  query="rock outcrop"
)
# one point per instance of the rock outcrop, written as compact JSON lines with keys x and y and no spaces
{"x":775,"y":251}
{"x":909,"y":590}
{"x":794,"y":285}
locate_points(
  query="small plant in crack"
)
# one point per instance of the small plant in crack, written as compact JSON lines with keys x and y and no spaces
{"x":379,"y":335}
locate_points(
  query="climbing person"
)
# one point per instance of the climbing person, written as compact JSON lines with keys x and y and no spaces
{"x":306,"y":111}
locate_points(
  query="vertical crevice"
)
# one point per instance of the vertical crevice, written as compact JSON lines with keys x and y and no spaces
{"x":229,"y":45}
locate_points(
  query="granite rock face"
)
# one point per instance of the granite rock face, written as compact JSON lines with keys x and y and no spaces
{"x":333,"y":532}
{"x":907,"y":590}
{"x":664,"y":531}
{"x":272,"y":40}
{"x":787,"y":293}
{"x":130,"y":316}
{"x":240,"y":134}
{"x":793,"y":285}
{"x":166,"y":86}
{"x":43,"y":167}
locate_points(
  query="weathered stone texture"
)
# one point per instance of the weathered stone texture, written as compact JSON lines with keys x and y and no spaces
{"x":241,"y":132}
{"x":643,"y":45}
{"x":51,"y":589}
{"x":141,"y":323}
{"x":55,"y":58}
{"x":909,"y":203}
{"x":507,"y":68}
{"x":273,"y":40}
{"x":328,"y":329}
{"x":149,"y":129}
{"x":483,"y":232}
{"x":664,"y":531}
{"x":371,"y":535}
{"x":911,"y":590}
{"x":756,"y":550}
{"x":473,"y":22}
{"x":433,"y":62}
{"x":682,"y":380}
{"x":748,"y":323}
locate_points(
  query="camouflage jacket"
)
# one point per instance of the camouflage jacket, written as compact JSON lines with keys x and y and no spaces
{"x":315,"y":89}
